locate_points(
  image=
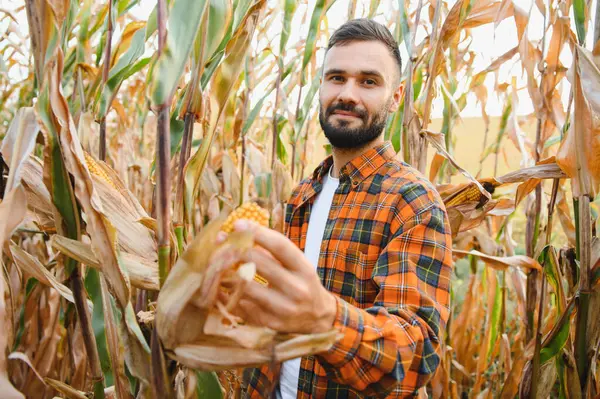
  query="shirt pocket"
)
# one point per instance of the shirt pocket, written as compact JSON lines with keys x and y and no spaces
{"x":365,"y":290}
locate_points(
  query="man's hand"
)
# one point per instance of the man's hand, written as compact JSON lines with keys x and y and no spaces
{"x":295,"y":300}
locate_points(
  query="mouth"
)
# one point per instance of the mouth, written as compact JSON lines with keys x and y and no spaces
{"x":345,"y":114}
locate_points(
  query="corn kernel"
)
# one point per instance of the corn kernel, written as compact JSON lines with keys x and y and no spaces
{"x":96,"y":170}
{"x":251,"y":211}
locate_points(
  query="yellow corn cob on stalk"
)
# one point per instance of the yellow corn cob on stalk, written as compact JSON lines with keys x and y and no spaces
{"x":471,"y":193}
{"x":96,"y":170}
{"x":250,"y":211}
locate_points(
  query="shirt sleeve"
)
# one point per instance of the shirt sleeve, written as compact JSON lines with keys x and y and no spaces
{"x":395,"y":343}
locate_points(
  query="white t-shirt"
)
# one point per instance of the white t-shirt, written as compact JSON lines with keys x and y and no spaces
{"x":290,"y":370}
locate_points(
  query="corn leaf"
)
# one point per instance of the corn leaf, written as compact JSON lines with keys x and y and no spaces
{"x":223,"y":81}
{"x":33,"y":267}
{"x":207,"y":385}
{"x":18,"y":144}
{"x":289,"y":10}
{"x":579,"y":9}
{"x":495,"y":318}
{"x":12,"y":212}
{"x":549,"y":259}
{"x":65,"y":389}
{"x":313,"y":31}
{"x":125,"y":67}
{"x":557,"y":338}
{"x":577,"y":155}
{"x":502,"y":262}
{"x":184,"y":20}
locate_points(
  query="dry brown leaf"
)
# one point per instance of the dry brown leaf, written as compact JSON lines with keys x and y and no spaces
{"x":589,"y":73}
{"x":12,"y":212}
{"x":565,"y":218}
{"x":65,"y":389}
{"x":25,"y":359}
{"x":435,"y":165}
{"x":33,"y":267}
{"x":18,"y":144}
{"x":282,"y":182}
{"x":510,"y":387}
{"x":124,"y":212}
{"x":524,"y":189}
{"x":578,"y":155}
{"x":231,"y":179}
{"x":549,"y":170}
{"x":143,"y":273}
{"x":115,"y":345}
{"x":503,"y":262}
{"x":101,"y":231}
{"x":436,"y":139}
{"x":477,"y":239}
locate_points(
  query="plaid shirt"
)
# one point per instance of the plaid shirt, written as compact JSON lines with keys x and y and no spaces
{"x":386,"y":255}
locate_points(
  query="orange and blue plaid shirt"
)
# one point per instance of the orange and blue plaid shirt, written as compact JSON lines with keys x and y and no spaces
{"x":386,"y":255}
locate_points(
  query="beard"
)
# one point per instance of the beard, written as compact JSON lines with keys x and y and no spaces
{"x":342,"y":136}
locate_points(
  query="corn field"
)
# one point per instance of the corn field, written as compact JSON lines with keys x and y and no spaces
{"x":126,"y":141}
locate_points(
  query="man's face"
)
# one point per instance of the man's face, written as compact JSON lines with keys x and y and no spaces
{"x":358,"y":90}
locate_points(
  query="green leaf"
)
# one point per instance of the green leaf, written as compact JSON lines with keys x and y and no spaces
{"x":549,"y":259}
{"x":207,"y":385}
{"x":253,"y":114}
{"x":225,"y":77}
{"x":289,"y":10}
{"x":31,"y":284}
{"x":417,"y":83}
{"x":220,"y":15}
{"x":558,"y":335}
{"x":125,"y":5}
{"x":176,"y":127}
{"x":394,"y":132}
{"x":281,"y":151}
{"x":313,"y":33}
{"x":60,"y":188}
{"x":305,"y":109}
{"x":264,"y":184}
{"x":92,"y":286}
{"x":403,"y":20}
{"x":241,"y":8}
{"x":125,"y":67}
{"x":184,"y":20}
{"x":579,"y":13}
{"x":495,"y":317}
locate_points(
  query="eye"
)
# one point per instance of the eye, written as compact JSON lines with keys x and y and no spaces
{"x":336,"y":78}
{"x":370,"y":82}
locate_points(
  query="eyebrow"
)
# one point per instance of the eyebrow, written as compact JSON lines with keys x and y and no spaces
{"x":369,"y":72}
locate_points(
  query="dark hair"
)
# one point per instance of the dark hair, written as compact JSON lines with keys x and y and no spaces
{"x":363,"y":29}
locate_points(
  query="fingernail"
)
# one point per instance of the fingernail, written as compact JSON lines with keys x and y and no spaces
{"x":241,"y":225}
{"x":221,"y":236}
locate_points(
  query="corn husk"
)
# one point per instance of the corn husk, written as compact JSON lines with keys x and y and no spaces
{"x":197,"y":330}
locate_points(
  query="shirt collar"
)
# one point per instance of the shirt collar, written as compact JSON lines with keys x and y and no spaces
{"x":361,"y":166}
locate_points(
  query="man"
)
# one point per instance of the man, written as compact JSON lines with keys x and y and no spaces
{"x":368,"y":246}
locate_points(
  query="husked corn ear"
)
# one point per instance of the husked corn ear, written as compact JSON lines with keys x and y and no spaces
{"x":96,"y":170}
{"x":249,"y":210}
{"x":471,"y":193}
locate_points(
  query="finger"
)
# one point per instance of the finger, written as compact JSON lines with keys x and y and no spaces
{"x":221,"y":237}
{"x":279,"y":245}
{"x":268,"y":267}
{"x":269,"y":301}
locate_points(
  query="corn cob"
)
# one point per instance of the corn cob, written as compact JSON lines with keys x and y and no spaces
{"x":251,"y":211}
{"x":96,"y":170}
{"x":471,"y":193}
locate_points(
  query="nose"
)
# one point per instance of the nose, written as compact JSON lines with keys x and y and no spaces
{"x":348,"y":93}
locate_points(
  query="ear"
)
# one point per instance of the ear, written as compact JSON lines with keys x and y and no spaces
{"x":397,"y":97}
